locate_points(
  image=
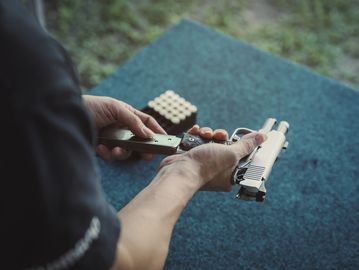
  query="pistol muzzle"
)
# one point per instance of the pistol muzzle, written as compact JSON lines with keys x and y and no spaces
{"x":268,"y":125}
{"x":283,"y":127}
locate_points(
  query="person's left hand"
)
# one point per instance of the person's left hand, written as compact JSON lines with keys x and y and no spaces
{"x":212,"y":164}
{"x":108,"y":111}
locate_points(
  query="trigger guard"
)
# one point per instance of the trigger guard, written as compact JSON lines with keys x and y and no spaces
{"x":239,"y":132}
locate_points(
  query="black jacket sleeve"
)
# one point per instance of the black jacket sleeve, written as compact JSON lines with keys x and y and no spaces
{"x":54,"y":212}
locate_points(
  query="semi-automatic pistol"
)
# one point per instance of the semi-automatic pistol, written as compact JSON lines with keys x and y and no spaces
{"x":253,"y":171}
{"x":250,"y":174}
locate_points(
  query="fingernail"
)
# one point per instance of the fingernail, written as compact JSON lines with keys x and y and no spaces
{"x":260,"y":138}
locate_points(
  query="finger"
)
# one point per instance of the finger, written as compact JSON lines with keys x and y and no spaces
{"x":147,"y":156}
{"x":220,"y":135}
{"x":206,"y":133}
{"x":249,"y":135}
{"x":103,"y":152}
{"x":134,"y":123}
{"x":247,"y":144}
{"x":120,"y":153}
{"x":150,"y":122}
{"x":194,"y":130}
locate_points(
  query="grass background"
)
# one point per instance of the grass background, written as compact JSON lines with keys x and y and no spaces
{"x":102,"y":34}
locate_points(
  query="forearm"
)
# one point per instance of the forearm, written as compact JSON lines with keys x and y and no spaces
{"x":148,"y":220}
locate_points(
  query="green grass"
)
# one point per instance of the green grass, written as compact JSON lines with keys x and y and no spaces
{"x":101,"y":35}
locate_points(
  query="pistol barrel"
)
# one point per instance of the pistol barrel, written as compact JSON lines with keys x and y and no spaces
{"x":283,"y":127}
{"x":268,"y":125}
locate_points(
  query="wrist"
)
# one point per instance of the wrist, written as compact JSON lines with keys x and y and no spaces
{"x":182,"y":173}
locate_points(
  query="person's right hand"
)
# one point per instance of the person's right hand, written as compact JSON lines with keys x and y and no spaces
{"x":213,"y":163}
{"x":111,"y":112}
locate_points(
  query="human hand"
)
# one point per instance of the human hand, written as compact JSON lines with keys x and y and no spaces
{"x":108,"y":111}
{"x":214,"y":163}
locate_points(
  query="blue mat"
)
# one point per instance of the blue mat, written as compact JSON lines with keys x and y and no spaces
{"x":310,"y":218}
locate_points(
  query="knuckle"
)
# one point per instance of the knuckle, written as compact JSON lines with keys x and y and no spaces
{"x":149,"y":120}
{"x":111,"y":101}
{"x":247,"y":146}
{"x":232,"y":157}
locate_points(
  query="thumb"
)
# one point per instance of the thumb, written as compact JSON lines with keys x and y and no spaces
{"x":248,"y":143}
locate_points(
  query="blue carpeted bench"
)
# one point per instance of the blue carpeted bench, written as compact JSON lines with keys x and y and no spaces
{"x":310,"y":218}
